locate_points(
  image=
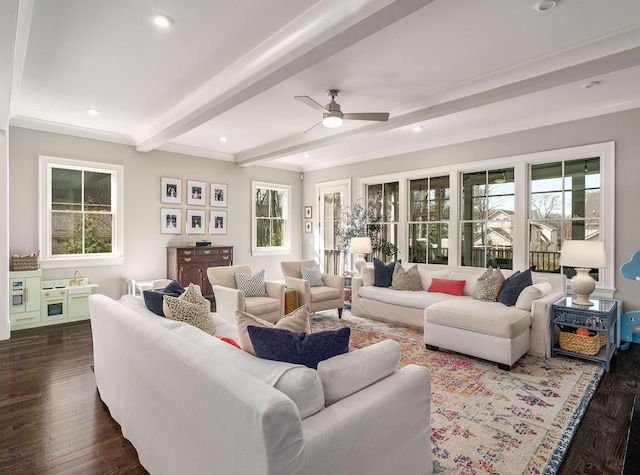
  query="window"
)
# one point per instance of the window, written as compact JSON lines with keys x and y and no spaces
{"x":428,"y":226}
{"x":564,"y":204}
{"x":271,"y":218}
{"x":383,"y":202}
{"x":79,"y":213}
{"x":488,"y":208}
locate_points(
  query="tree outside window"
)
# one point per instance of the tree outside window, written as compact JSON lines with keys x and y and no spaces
{"x":271,"y":216}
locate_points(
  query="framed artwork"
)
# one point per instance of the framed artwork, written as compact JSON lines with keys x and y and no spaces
{"x":308,"y":226}
{"x":171,"y":191}
{"x":195,"y":221}
{"x":196,"y":192}
{"x":218,"y":222}
{"x":170,"y":221}
{"x":308,"y":212}
{"x":219,"y":195}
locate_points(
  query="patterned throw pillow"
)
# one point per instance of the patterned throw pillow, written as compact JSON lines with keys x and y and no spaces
{"x":313,"y":275}
{"x":296,"y":321}
{"x":406,"y":279}
{"x":486,"y":285}
{"x":383,"y":273}
{"x":308,"y":349}
{"x":251,"y":284}
{"x":196,"y":314}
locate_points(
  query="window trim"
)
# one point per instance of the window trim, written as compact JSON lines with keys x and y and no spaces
{"x":48,"y":261}
{"x":520,"y":163}
{"x":274,"y":250}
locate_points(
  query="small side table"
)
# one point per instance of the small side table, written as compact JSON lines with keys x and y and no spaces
{"x":290,"y":300}
{"x":602,"y":316}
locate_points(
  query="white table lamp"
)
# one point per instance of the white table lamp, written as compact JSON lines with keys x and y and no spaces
{"x":360,"y":246}
{"x":584,"y":256}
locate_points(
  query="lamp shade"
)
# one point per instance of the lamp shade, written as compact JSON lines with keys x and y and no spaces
{"x":360,"y":245}
{"x":589,"y":254}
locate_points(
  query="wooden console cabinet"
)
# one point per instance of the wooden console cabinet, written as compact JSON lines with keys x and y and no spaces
{"x":190,"y":264}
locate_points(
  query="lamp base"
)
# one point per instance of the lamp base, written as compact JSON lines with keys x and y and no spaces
{"x":583,"y":285}
{"x":360,"y":263}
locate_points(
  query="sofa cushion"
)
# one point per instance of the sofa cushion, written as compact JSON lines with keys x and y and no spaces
{"x":403,"y":299}
{"x":348,"y":373}
{"x":153,"y":299}
{"x":196,"y":314}
{"x":303,"y":386}
{"x":261,"y":305}
{"x":251,"y":284}
{"x":512,"y":287}
{"x":469,"y":281}
{"x":312,"y":275}
{"x":383,"y":273}
{"x":321,"y":294}
{"x":426,"y":276}
{"x":447,"y":286}
{"x":491,"y":318}
{"x":296,"y":347}
{"x":408,"y":279}
{"x":297,"y":321}
{"x":531,"y":293}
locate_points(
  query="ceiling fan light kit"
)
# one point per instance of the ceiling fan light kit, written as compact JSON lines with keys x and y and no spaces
{"x":332,"y":115}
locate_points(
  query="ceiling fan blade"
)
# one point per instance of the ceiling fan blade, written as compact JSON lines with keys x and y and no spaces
{"x":379,"y":116}
{"x":314,"y":125}
{"x":311,"y":103}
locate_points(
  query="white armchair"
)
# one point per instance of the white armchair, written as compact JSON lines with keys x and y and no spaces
{"x":325,"y":297}
{"x":229,"y":298}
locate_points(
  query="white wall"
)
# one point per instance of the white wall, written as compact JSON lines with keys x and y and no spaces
{"x":621,"y":127}
{"x":4,"y":236}
{"x":144,"y":245}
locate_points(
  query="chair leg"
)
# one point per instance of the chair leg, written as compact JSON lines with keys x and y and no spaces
{"x":339,"y":313}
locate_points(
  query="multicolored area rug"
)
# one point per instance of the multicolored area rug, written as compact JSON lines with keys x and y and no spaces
{"x":485,"y":420}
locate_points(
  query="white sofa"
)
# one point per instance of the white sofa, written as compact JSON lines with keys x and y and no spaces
{"x":440,"y":314}
{"x":192,"y":403}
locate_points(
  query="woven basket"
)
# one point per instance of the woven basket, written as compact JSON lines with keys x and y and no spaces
{"x":24,"y":263}
{"x":583,"y":344}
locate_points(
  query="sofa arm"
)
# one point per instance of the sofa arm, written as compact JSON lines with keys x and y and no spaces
{"x":352,"y":435}
{"x":276,"y":290}
{"x":541,"y":324}
{"x":332,"y":280}
{"x":228,"y":300}
{"x":302,"y":287}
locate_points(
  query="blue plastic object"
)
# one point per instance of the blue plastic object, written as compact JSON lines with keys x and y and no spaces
{"x":631,"y":269}
{"x":629,"y":321}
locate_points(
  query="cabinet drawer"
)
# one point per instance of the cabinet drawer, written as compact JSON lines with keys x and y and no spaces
{"x":24,"y":318}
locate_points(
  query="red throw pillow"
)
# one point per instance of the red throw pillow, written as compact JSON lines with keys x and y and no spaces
{"x":447,"y":286}
{"x":231,"y":341}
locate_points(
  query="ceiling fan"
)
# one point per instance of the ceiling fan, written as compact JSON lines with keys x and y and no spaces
{"x":333,"y":117}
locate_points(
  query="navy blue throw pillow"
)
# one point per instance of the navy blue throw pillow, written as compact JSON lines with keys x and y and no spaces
{"x":383,"y":273}
{"x":309,"y":349}
{"x":153,"y":299}
{"x":512,"y":287}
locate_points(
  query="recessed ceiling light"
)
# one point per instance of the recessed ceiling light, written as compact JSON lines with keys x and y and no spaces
{"x":306,"y":155}
{"x":163,"y":21}
{"x":545,"y":5}
{"x":92,"y":111}
{"x":417,"y":128}
{"x":223,"y":139}
{"x":589,"y":85}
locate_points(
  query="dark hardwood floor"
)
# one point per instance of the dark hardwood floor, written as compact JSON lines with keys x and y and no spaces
{"x":53,"y":421}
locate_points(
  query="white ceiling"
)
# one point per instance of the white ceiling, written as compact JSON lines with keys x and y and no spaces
{"x":462,"y":69}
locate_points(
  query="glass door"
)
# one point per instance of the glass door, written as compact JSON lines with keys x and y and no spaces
{"x":331,"y":198}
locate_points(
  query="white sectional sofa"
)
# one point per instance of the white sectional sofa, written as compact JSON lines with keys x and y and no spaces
{"x":192,"y":403}
{"x":488,"y":330}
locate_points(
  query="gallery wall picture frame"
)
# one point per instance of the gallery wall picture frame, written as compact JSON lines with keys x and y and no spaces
{"x":308,"y":226}
{"x":308,"y":212}
{"x":171,"y":190}
{"x":218,"y":222}
{"x":195,"y":221}
{"x":170,"y":221}
{"x":219,"y":195}
{"x":196,"y":193}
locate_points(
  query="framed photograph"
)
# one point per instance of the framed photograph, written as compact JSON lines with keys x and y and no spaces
{"x":308,"y":212}
{"x":195,"y":221}
{"x":196,"y":192}
{"x":171,"y":191}
{"x":219,"y":195}
{"x":170,"y":221}
{"x":218,"y":222}
{"x":308,"y":226}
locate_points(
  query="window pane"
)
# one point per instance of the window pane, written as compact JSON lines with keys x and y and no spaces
{"x":277,"y":203}
{"x":391,"y":197}
{"x":97,"y":233}
{"x":546,"y":177}
{"x":473,"y":244}
{"x":374,"y":200}
{"x":418,"y":199}
{"x":97,"y":191}
{"x":383,"y":239}
{"x":418,"y":242}
{"x":66,"y":189}
{"x":263,"y":232}
{"x":66,"y":233}
{"x":277,"y":232}
{"x":262,"y":203}
{"x":546,"y":205}
{"x":439,"y":199}
{"x":438,"y":243}
{"x":544,"y":246}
